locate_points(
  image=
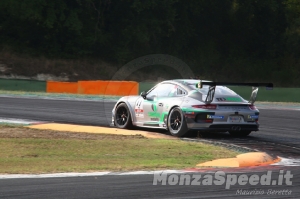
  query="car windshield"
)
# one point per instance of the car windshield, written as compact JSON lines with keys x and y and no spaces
{"x":220,"y":90}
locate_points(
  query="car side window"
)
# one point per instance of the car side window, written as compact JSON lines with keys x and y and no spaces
{"x":161,"y":90}
{"x":180,"y":92}
{"x":177,"y":91}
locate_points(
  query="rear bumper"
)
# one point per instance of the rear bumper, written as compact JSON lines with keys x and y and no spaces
{"x":247,"y":120}
{"x":225,"y":127}
{"x":234,"y":127}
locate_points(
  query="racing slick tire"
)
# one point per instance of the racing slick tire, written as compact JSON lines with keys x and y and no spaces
{"x":122,"y":117}
{"x":176,"y":123}
{"x":239,"y":133}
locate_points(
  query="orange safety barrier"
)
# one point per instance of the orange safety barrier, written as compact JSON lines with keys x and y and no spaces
{"x":89,"y":87}
{"x":119,"y":88}
{"x":62,"y":87}
{"x":122,"y":88}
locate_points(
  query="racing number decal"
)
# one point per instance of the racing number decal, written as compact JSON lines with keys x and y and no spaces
{"x":138,"y":109}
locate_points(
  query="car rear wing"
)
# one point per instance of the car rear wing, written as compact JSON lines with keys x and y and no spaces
{"x":212,"y":88}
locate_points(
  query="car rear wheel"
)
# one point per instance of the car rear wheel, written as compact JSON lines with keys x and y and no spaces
{"x":122,"y":117}
{"x":176,"y":123}
{"x":239,"y":133}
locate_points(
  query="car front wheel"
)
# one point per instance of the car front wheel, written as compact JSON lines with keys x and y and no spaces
{"x":176,"y":123}
{"x":122,"y":117}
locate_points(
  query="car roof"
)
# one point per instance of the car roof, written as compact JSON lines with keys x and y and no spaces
{"x":184,"y":82}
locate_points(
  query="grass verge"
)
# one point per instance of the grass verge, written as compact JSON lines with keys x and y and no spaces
{"x":24,"y":150}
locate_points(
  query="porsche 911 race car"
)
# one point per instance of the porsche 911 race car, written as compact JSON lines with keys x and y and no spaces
{"x":187,"y":104}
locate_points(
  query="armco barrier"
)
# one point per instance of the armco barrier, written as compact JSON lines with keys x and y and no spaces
{"x":62,"y":87}
{"x":22,"y":85}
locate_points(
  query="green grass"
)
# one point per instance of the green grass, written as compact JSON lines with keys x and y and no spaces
{"x":110,"y":153}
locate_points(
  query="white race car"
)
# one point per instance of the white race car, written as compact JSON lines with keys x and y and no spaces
{"x":186,"y":104}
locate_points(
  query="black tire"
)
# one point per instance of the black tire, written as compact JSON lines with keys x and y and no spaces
{"x":123,"y":117}
{"x":176,"y":123}
{"x":239,"y":133}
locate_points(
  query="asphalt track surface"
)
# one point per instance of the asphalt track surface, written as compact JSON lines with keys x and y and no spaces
{"x":278,"y":135}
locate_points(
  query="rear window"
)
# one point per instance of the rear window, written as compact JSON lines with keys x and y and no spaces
{"x":220,"y":90}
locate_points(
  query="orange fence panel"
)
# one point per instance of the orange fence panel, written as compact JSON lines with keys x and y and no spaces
{"x":61,"y":87}
{"x":122,"y":88}
{"x":90,"y":87}
{"x":119,"y":88}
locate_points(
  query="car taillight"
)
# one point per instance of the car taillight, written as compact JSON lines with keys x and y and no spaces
{"x":252,"y":107}
{"x":210,"y":106}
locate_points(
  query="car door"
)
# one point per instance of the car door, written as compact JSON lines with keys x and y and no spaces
{"x":152,"y":106}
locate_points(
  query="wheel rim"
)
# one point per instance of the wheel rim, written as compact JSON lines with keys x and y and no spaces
{"x":121,"y":116}
{"x":175,"y":121}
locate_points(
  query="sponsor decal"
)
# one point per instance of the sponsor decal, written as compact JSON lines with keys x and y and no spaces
{"x":253,"y":116}
{"x":139,"y":113}
{"x":189,"y":112}
{"x":215,"y":117}
{"x":138,"y":109}
{"x":154,"y":119}
{"x":221,"y":99}
{"x":232,"y":99}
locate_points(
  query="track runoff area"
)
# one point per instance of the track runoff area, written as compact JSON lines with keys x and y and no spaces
{"x":275,"y":179}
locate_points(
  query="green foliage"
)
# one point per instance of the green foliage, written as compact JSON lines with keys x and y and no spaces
{"x":211,"y":36}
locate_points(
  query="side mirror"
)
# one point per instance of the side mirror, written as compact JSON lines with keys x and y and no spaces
{"x":144,"y":94}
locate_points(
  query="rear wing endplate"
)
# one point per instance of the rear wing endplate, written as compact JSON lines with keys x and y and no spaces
{"x":212,"y":88}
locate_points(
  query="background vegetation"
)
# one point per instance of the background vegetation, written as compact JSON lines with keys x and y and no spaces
{"x":240,"y":40}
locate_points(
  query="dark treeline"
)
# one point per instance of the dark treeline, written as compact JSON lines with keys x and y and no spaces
{"x":241,"y":40}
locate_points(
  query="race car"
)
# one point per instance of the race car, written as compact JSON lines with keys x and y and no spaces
{"x":188,"y":104}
